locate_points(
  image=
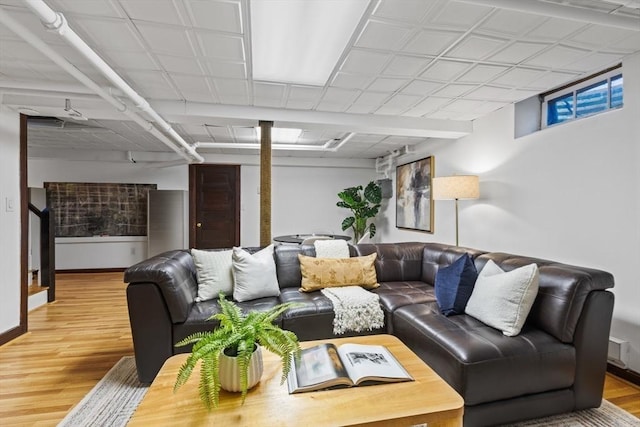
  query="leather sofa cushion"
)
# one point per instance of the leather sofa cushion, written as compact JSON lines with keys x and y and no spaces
{"x":313,"y":318}
{"x":200,"y":312}
{"x":394,"y":295}
{"x":562,"y":291}
{"x":480,"y":362}
{"x":438,"y":255}
{"x":395,"y":261}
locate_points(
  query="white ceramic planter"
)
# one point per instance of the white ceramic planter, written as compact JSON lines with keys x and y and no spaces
{"x":230,"y":374}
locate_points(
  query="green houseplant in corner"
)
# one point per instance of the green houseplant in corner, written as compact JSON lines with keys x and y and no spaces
{"x":238,"y":337}
{"x":364,"y":204}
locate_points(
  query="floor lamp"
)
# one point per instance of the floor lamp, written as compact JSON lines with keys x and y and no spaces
{"x":454,"y":188}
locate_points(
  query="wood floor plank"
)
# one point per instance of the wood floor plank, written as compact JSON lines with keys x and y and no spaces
{"x":72,"y":343}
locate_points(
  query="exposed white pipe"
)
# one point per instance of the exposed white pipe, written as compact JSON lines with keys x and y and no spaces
{"x":55,"y":21}
{"x":570,"y":13}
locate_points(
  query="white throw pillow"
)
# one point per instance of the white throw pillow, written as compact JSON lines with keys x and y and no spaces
{"x":255,"y":275}
{"x":213,"y":269}
{"x":331,"y":248}
{"x":502,"y":299}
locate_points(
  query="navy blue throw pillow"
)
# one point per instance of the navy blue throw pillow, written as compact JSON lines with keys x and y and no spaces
{"x":454,"y":284}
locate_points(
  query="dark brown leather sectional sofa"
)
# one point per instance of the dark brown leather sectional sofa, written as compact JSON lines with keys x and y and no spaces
{"x":556,"y":364}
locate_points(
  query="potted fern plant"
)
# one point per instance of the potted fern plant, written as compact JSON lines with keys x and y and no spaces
{"x":233,"y":351}
{"x":364,"y":204}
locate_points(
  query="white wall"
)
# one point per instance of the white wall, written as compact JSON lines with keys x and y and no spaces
{"x":9,"y":221}
{"x":304,"y":196}
{"x":568,"y":193}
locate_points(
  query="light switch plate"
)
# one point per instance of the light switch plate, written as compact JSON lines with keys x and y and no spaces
{"x":10,"y":204}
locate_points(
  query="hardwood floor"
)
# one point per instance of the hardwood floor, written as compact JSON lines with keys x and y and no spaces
{"x":73,"y":342}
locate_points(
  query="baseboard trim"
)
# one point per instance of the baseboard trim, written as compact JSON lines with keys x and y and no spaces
{"x":625,"y":374}
{"x":12,"y":334}
{"x":92,"y":270}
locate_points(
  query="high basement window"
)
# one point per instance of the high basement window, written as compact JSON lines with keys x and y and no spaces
{"x":595,"y":94}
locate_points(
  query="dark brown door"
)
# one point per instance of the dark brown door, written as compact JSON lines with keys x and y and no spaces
{"x":214,"y":211}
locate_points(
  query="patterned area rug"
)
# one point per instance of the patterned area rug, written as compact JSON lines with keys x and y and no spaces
{"x":114,"y":399}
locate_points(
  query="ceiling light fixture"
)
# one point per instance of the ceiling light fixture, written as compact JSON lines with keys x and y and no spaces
{"x":284,"y":135}
{"x":297,"y":41}
{"x":331,"y":145}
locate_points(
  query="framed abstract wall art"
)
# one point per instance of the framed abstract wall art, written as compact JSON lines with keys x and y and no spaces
{"x":414,"y":203}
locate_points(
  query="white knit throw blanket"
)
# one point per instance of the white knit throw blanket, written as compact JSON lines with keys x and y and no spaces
{"x":356,"y":309}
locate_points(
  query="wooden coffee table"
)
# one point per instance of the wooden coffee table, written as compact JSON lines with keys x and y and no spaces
{"x":428,"y":399}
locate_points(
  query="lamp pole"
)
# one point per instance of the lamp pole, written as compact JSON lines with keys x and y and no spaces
{"x":457,"y":222}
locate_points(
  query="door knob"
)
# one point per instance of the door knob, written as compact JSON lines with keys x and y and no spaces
{"x":199,"y":225}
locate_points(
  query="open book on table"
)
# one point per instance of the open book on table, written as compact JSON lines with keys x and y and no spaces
{"x":327,"y":366}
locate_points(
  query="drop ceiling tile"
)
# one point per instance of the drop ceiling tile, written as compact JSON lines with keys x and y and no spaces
{"x":231,"y":70}
{"x":232,"y":91}
{"x":430,"y":104}
{"x":404,"y":66}
{"x":190,"y":83}
{"x":481,"y":73}
{"x":351,"y":81}
{"x":599,"y":36}
{"x":552,"y":79}
{"x":595,"y":62}
{"x":444,"y":70}
{"x":221,"y":46}
{"x":431,"y":42}
{"x":518,"y":77}
{"x":178,"y":64}
{"x":339,"y":96}
{"x":384,"y":84}
{"x":558,"y":57}
{"x":398,"y":104}
{"x":365,"y":62}
{"x":459,"y":15}
{"x":475,"y":47}
{"x":260,"y":101}
{"x":454,"y":90}
{"x":630,"y":44}
{"x":131,"y":60}
{"x":304,"y":93}
{"x":444,"y":115}
{"x":111,"y":34}
{"x":491,"y":93}
{"x":160,"y":11}
{"x":269,"y":90}
{"x":21,"y":51}
{"x":368,"y":102}
{"x":421,"y":87}
{"x":381,"y":35}
{"x":404,"y":140}
{"x":463,"y":105}
{"x":555,"y":29}
{"x":216,"y":15}
{"x":510,"y":23}
{"x":402,"y":10}
{"x":517,"y":52}
{"x":151,"y":84}
{"x":166,"y":40}
{"x":88,"y":7}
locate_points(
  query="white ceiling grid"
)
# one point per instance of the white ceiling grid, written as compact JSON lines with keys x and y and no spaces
{"x":437,"y":59}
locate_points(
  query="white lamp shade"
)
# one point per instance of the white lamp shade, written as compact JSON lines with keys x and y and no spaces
{"x":456,"y":187}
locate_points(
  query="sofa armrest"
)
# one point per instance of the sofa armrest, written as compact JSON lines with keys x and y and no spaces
{"x":151,"y":329}
{"x":591,"y":340}
{"x":174,"y":273}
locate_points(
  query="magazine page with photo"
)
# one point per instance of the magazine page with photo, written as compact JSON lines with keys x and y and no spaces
{"x":327,"y":366}
{"x":371,"y":363}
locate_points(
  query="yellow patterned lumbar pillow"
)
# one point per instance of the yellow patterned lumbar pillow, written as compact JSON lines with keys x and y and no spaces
{"x":319,"y":273}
